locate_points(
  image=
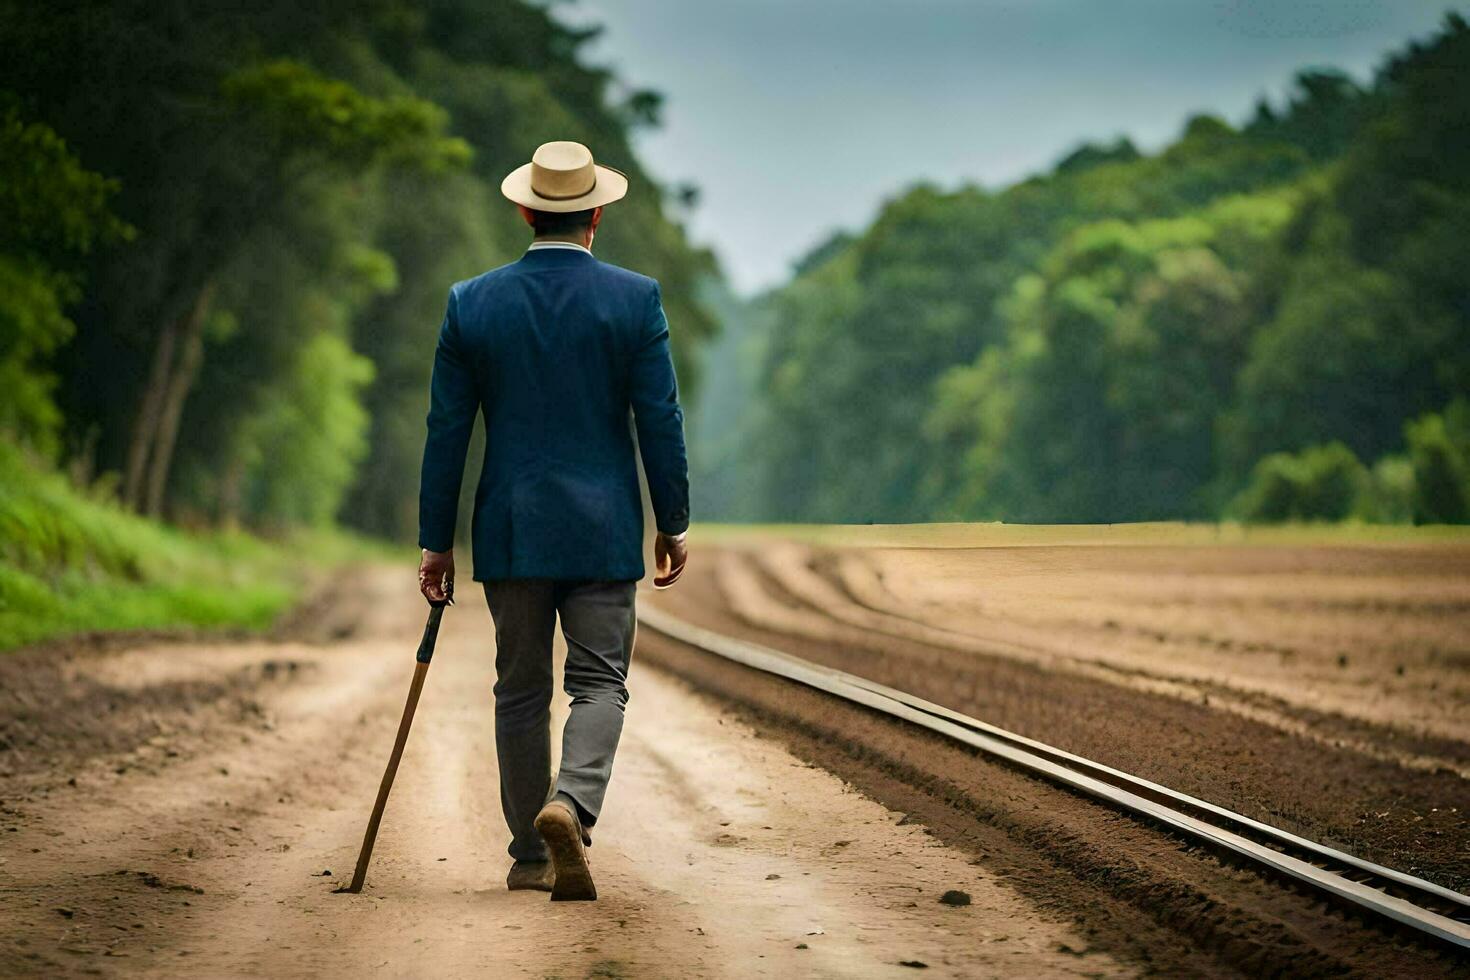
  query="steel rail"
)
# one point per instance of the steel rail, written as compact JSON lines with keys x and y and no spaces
{"x":1395,"y":895}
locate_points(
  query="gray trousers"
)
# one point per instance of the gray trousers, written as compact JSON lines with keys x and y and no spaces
{"x":598,"y":621}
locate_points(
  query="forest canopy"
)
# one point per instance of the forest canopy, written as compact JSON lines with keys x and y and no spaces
{"x":227,"y":233}
{"x":1268,"y":321}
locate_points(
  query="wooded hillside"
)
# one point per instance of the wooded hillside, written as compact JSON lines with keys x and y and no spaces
{"x":1268,"y":320}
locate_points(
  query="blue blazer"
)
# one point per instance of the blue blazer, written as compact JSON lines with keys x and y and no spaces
{"x":555,"y":351}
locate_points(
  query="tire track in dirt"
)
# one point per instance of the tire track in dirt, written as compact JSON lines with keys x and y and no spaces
{"x":1162,"y":904}
{"x":1405,"y":818}
{"x":851,"y":594}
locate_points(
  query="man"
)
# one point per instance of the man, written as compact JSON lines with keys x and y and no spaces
{"x":555,"y":350}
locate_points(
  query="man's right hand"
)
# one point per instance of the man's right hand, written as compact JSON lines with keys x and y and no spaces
{"x":670,"y":554}
{"x":436,"y":575}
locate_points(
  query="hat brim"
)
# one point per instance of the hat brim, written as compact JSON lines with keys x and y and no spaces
{"x":611,"y":185}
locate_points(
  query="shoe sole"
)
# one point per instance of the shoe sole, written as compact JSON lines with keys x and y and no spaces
{"x":573,"y":882}
{"x":527,"y":883}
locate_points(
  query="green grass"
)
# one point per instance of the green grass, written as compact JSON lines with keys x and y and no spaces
{"x":998,"y":535}
{"x":71,"y":563}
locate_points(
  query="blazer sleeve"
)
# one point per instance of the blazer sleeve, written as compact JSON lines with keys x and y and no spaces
{"x":453,"y":401}
{"x":654,"y":393}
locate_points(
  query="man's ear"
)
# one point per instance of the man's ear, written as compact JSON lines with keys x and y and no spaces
{"x":596,"y":217}
{"x":526,"y":215}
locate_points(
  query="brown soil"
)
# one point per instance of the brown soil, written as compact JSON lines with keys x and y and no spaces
{"x":1379,"y":634}
{"x":1069,"y":853}
{"x":1348,"y":782}
{"x":171,"y":807}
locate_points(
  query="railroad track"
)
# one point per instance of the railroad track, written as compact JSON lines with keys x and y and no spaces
{"x":1410,"y":901}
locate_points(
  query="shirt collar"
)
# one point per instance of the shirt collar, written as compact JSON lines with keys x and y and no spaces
{"x":571,"y":245}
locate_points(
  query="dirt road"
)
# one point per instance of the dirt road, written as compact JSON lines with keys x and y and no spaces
{"x":173,"y":808}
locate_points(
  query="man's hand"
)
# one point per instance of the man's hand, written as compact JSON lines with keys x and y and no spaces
{"x":436,"y":575}
{"x":670,"y":554}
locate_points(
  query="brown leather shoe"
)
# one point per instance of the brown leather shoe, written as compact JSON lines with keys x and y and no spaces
{"x":535,"y":876}
{"x":562,"y":830}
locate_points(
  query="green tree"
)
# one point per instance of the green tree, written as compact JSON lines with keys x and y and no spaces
{"x":1321,"y":483}
{"x":1372,"y":313}
{"x":300,"y":455}
{"x":1324,"y":110}
{"x":53,"y":212}
{"x":1439,"y":449}
{"x":1391,"y":492}
{"x":1120,"y":356}
{"x":292,"y":123}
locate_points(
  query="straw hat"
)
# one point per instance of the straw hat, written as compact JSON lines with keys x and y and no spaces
{"x":562,"y":177}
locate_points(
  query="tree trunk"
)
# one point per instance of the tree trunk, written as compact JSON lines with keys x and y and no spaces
{"x":145,"y":425}
{"x":81,"y":469}
{"x":190,"y":342}
{"x":231,"y":490}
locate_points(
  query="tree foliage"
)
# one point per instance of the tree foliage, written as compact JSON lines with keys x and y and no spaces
{"x":306,"y":181}
{"x":1125,"y":336}
{"x":1321,"y":483}
{"x":53,"y":211}
{"x":1439,"y":451}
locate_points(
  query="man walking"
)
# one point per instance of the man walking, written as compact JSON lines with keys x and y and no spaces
{"x":555,"y":350}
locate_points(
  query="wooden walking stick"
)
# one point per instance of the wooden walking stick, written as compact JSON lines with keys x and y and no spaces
{"x":420,"y":670}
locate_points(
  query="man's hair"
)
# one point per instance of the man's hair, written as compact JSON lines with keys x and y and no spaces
{"x":560,"y":222}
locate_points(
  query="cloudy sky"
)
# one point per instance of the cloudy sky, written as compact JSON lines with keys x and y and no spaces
{"x":798,"y":117}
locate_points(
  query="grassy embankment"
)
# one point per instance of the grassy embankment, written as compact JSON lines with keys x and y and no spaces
{"x":70,"y":563}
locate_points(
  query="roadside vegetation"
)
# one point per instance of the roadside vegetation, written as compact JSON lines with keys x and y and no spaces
{"x":73,"y":562}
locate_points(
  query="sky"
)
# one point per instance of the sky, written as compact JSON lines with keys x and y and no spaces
{"x":797,"y":118}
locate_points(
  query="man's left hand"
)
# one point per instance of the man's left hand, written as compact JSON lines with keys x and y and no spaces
{"x":436,"y":575}
{"x":670,"y":555}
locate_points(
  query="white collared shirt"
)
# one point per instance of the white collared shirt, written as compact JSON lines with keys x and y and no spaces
{"x":572,"y":245}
